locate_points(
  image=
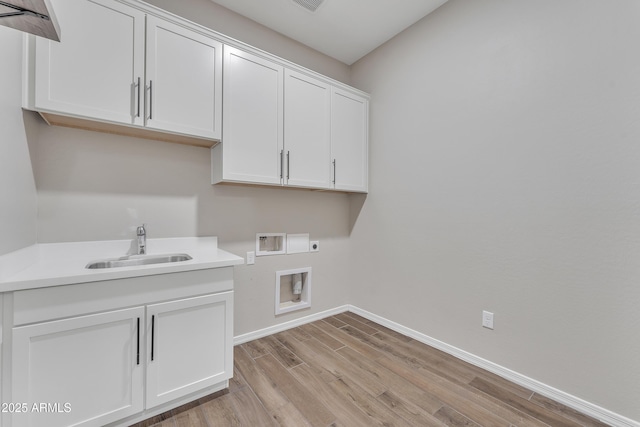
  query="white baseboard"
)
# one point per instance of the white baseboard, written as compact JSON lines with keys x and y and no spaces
{"x":567,"y":399}
{"x":261,"y":333}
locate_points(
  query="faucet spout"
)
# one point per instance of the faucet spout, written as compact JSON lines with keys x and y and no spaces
{"x":141,"y":232}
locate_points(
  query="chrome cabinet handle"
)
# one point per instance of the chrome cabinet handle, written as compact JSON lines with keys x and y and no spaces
{"x":150,"y":99}
{"x":281,"y":164}
{"x":334,"y":171}
{"x":288,"y":165}
{"x":138,"y":109}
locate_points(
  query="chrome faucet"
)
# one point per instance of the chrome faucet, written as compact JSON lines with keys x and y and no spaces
{"x":142,"y":240}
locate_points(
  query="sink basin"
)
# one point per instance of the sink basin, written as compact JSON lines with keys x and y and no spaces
{"x":133,"y":260}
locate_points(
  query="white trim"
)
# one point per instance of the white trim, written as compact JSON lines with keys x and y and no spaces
{"x":566,"y":399}
{"x":261,"y":333}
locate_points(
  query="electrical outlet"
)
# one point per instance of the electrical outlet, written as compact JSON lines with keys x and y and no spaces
{"x":251,"y":258}
{"x":314,"y":246}
{"x":487,"y":319}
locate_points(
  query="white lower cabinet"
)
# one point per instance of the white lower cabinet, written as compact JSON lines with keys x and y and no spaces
{"x":190,"y":345}
{"x":84,"y":370}
{"x":116,"y":352}
{"x":2,"y":392}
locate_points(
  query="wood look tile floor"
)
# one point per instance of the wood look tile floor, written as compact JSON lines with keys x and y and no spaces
{"x":347,"y":371}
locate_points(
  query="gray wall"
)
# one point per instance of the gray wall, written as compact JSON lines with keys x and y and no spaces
{"x":505,"y":177}
{"x":17,"y":187}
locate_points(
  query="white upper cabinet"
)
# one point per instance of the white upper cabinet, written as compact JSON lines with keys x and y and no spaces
{"x":127,"y":67}
{"x":104,"y":71}
{"x":183,"y":81}
{"x":251,"y":148}
{"x":307,"y":136}
{"x":349,"y":140}
{"x":287,"y":127}
{"x":94,"y":71}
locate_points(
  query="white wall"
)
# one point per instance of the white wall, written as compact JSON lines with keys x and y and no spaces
{"x":95,"y":186}
{"x":505,"y":154}
{"x":17,"y":187}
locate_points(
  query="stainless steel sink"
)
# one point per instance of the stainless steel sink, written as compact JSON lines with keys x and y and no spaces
{"x":133,"y":260}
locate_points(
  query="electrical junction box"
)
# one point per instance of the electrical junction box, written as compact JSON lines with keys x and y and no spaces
{"x":297,"y":243}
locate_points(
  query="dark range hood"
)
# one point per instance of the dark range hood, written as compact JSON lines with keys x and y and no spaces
{"x":31,"y":16}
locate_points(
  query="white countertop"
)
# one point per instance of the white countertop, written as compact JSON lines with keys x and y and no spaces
{"x":55,"y":264}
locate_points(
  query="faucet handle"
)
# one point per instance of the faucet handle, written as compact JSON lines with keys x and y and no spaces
{"x":141,"y":230}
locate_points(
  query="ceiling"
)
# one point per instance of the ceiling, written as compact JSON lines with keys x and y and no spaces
{"x":344,"y":29}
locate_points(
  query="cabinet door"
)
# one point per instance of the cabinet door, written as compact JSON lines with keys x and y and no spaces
{"x":252,"y":122}
{"x":94,"y":71}
{"x":184,"y":80}
{"x":88,"y":368}
{"x":2,"y":399}
{"x":349,"y":140}
{"x":307,"y":136}
{"x":190,"y":346}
